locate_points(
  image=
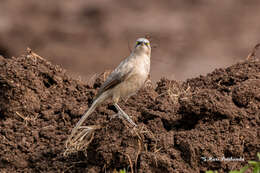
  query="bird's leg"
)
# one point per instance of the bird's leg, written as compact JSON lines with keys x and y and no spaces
{"x":117,"y":114}
{"x":122,"y":113}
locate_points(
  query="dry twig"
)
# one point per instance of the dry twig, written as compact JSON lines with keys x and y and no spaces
{"x":252,"y":54}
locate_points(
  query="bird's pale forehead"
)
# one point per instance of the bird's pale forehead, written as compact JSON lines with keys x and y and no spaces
{"x":142,"y":40}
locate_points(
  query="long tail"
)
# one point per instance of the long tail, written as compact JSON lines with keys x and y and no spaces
{"x":96,"y":102}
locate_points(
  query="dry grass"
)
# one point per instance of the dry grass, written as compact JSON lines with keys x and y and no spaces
{"x":27,"y":118}
{"x":80,"y":140}
{"x":174,"y":92}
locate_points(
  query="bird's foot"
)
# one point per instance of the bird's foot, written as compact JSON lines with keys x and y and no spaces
{"x":123,"y":116}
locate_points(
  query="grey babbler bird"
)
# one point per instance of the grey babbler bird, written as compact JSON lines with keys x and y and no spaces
{"x":124,"y":81}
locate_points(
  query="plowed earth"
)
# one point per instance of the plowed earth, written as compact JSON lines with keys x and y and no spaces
{"x":182,"y":126}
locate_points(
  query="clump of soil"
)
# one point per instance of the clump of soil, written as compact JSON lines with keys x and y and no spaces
{"x":180,"y":125}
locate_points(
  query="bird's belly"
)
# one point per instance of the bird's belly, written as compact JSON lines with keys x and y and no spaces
{"x":131,"y":85}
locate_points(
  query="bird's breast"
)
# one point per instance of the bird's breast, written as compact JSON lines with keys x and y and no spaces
{"x":137,"y":77}
{"x":143,"y":65}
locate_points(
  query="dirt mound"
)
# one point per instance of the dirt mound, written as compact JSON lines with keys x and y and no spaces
{"x":180,"y":125}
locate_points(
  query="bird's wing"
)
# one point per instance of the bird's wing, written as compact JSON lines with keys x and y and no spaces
{"x":120,"y":74}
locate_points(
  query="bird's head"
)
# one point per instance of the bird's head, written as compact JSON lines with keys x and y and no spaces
{"x":142,"y":46}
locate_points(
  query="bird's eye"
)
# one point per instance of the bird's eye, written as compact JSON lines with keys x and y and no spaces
{"x":146,"y":44}
{"x":138,"y":42}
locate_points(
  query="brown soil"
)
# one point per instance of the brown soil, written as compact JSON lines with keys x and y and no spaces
{"x":178,"y":123}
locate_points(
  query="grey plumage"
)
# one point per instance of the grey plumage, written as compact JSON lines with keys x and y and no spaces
{"x":124,"y":81}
